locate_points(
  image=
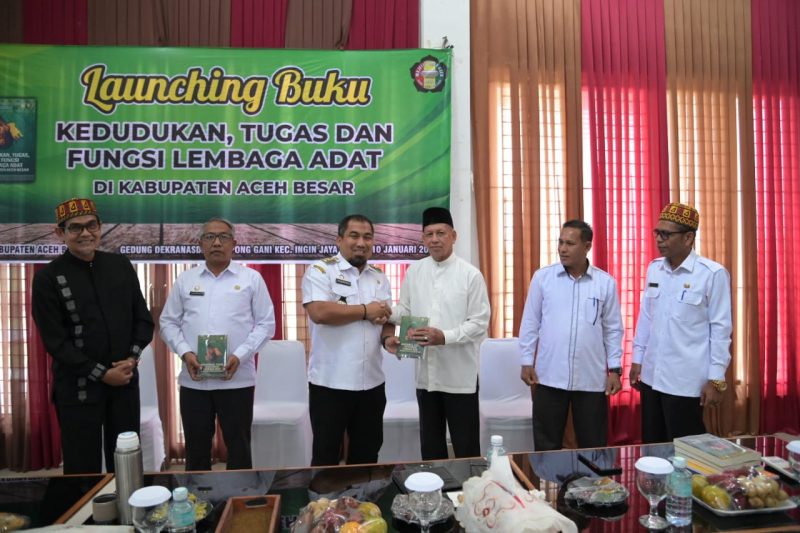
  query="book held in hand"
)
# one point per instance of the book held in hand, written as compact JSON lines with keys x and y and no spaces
{"x":409,"y":348}
{"x":212,"y":354}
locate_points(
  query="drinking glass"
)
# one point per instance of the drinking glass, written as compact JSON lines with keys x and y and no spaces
{"x":424,"y":497}
{"x":651,"y":479}
{"x":150,"y":506}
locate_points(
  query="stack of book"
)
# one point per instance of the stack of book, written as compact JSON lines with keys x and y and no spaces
{"x":708,"y":453}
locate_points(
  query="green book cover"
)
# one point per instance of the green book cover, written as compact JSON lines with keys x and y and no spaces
{"x":212,"y":354}
{"x":17,"y":139}
{"x":409,"y":347}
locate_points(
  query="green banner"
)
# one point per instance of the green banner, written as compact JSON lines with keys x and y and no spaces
{"x":284,"y":143}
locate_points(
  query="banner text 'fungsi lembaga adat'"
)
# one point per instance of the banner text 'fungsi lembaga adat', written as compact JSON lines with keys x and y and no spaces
{"x":282,"y":142}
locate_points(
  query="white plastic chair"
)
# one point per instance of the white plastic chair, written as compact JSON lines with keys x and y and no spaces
{"x":401,"y":417}
{"x":506,"y":407}
{"x":151,"y":432}
{"x":281,"y":434}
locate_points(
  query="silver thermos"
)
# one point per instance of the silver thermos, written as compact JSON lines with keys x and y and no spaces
{"x":129,"y":472}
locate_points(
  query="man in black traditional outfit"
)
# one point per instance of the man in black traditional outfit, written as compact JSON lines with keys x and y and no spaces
{"x":94,"y":322}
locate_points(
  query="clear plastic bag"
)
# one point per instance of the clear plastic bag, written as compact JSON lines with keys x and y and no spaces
{"x":342,"y":515}
{"x":738,"y":490}
{"x":599,"y":492}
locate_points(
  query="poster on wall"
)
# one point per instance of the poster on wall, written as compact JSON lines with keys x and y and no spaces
{"x":283,"y":143}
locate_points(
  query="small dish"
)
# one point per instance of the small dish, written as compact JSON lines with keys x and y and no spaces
{"x":597,"y":492}
{"x":786,"y":505}
{"x":782,"y":466}
{"x":13,"y":522}
{"x":202,"y":508}
{"x":401,"y":510}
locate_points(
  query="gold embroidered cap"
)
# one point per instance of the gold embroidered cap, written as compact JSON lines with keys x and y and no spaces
{"x":74,"y":207}
{"x":683,"y":214}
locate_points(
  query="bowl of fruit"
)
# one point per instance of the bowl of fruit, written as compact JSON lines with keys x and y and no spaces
{"x":202,"y":507}
{"x":342,"y":515}
{"x":745,"y":491}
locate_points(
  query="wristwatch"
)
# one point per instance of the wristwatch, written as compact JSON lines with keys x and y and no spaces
{"x":720,"y":384}
{"x":616,"y":370}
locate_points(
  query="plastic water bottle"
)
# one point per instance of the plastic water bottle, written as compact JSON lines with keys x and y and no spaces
{"x":495,"y":448}
{"x":679,"y":494}
{"x":181,"y":512}
{"x":128,"y":472}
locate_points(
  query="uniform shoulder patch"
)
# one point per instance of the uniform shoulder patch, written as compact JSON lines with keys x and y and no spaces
{"x":376,"y":269}
{"x":713,"y":266}
{"x":319,"y":268}
{"x":331,"y":260}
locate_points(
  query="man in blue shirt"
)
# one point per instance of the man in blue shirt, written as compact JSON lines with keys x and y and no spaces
{"x":571,"y":343}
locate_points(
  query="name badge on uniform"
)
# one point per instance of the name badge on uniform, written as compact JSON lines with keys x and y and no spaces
{"x":342,"y":281}
{"x":197,"y":291}
{"x":652,"y":284}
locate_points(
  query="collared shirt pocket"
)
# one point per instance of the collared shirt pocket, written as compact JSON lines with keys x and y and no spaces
{"x":593,"y":310}
{"x":237,"y":298}
{"x":651,"y":299}
{"x":689,"y":306}
{"x":344,"y":293}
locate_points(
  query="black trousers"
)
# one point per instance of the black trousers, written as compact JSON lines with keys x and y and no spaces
{"x":334,"y":411}
{"x":199,"y":412}
{"x":666,"y":416}
{"x":589,"y":417}
{"x":89,"y":430}
{"x":437,"y":411}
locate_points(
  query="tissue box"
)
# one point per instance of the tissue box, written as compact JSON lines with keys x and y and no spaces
{"x":251,"y":514}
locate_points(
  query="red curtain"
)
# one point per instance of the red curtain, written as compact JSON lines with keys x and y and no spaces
{"x":47,"y":22}
{"x":45,"y":434}
{"x":273,"y":277}
{"x":384,"y":25}
{"x":776,"y":114}
{"x":623,"y":78}
{"x":55,"y":22}
{"x":258,"y":23}
{"x":373,"y":26}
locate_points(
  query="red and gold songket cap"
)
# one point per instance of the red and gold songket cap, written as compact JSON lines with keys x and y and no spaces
{"x":74,"y":207}
{"x":683,"y":214}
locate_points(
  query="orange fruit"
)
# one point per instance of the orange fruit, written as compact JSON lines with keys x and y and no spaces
{"x":350,"y":527}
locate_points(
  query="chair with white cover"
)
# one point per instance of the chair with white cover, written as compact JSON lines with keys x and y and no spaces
{"x":401,"y":417}
{"x":281,"y":434}
{"x":151,"y":432}
{"x":506,"y":407}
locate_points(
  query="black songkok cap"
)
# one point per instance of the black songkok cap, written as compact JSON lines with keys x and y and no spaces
{"x":436,"y":215}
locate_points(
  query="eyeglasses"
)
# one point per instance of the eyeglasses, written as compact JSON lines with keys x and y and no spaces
{"x":77,"y":229}
{"x":664,"y":234}
{"x":211,"y":237}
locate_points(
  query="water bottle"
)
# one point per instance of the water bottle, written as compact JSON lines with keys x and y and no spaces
{"x":129,"y":473}
{"x":181,"y":512}
{"x":495,"y":448}
{"x":679,"y":494}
